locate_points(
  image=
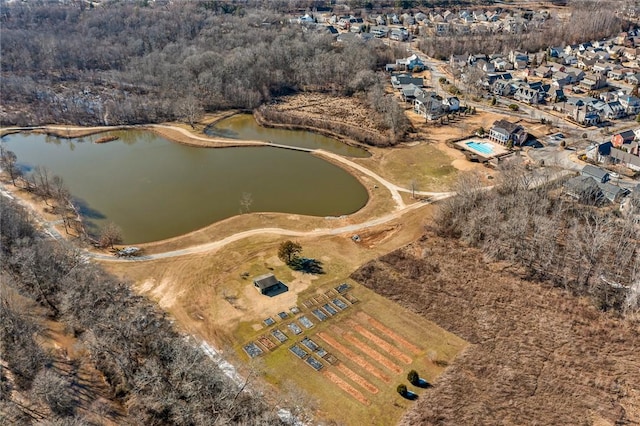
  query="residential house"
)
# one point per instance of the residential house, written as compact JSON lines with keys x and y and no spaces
{"x":529,"y":95}
{"x":520,"y":65}
{"x":599,"y":152}
{"x":582,"y":114}
{"x":501,"y":64}
{"x":601,"y":67}
{"x":399,"y":81}
{"x":379,"y":31}
{"x":506,"y":133}
{"x":586,"y":63}
{"x":543,"y":71}
{"x":428,"y":105}
{"x":515,"y":56}
{"x":612,"y":111}
{"x":458,"y":61}
{"x":623,"y":138}
{"x":409,"y":92}
{"x":574,"y":74}
{"x":607,"y":96}
{"x":600,"y":175}
{"x":561,"y":79}
{"x":555,"y":51}
{"x":399,"y":34}
{"x":451,"y":104}
{"x":633,"y":79}
{"x":420,"y":17}
{"x":584,"y":189}
{"x":502,"y":88}
{"x":412,"y":63}
{"x":593,"y":82}
{"x":442,"y":28}
{"x":472,"y":59}
{"x":626,"y":159}
{"x":630,"y":103}
{"x":630,"y":53}
{"x":557,"y":95}
{"x":618,"y":73}
{"x":613,"y":193}
{"x":485,"y":66}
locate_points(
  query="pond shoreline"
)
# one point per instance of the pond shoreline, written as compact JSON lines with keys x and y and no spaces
{"x":269,"y":212}
{"x":179,"y":133}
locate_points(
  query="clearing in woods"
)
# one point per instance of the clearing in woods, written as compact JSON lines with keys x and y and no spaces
{"x":366,"y":348}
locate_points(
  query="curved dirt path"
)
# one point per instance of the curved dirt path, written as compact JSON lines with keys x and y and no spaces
{"x":401,"y":206}
{"x":214,"y":245}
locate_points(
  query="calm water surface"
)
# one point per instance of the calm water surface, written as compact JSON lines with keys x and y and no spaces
{"x":155,"y":189}
{"x":244,"y":126}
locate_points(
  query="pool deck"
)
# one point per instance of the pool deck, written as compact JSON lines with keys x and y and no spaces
{"x":498,"y":149}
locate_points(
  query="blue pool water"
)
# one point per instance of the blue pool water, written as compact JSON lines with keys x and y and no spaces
{"x":481,"y":147}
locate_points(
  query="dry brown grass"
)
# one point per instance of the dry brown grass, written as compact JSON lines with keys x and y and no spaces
{"x":539,"y":355}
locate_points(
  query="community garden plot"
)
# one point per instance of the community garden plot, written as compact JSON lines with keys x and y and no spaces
{"x":361,"y":351}
{"x":252,"y":350}
{"x":295,"y":328}
{"x":306,"y":322}
{"x":279,"y":335}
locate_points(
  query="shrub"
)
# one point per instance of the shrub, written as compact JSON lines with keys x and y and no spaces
{"x":402,"y":389}
{"x":514,"y":107}
{"x":413,"y":377}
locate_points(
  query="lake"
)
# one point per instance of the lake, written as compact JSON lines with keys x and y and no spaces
{"x":245,"y":127}
{"x":155,"y":189}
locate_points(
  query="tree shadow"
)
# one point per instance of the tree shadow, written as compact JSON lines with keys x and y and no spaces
{"x":410,"y":396}
{"x":86,"y":211}
{"x":422,"y":383}
{"x":308,"y":266}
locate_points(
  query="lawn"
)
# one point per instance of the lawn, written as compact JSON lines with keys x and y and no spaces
{"x":425,"y":163}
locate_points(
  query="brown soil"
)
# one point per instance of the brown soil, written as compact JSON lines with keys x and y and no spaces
{"x":402,"y":341}
{"x":381,"y":343}
{"x":539,"y":355}
{"x":353,"y":392}
{"x":382,"y":360}
{"x":353,"y":356}
{"x":356,"y":378}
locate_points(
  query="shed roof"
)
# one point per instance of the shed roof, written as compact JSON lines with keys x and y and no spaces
{"x":265,"y":281}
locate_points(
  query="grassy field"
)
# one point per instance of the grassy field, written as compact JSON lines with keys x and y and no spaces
{"x":425,"y":163}
{"x":211,"y":296}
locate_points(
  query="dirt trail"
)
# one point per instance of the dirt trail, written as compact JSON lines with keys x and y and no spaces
{"x":401,"y":206}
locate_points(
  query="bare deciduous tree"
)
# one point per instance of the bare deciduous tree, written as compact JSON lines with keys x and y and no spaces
{"x":110,"y":234}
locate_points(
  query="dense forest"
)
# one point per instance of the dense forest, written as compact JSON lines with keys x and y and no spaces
{"x":160,"y":376}
{"x":588,"y":250}
{"x":124,"y":63}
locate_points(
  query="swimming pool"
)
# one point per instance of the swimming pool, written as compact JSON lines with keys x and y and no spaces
{"x":481,"y":147}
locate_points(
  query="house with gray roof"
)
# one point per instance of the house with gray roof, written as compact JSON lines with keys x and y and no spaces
{"x":505,"y":132}
{"x":584,"y":189}
{"x":597,"y":173}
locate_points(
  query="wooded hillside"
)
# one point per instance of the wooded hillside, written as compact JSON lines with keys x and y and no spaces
{"x":124,"y":63}
{"x":156,"y":374}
